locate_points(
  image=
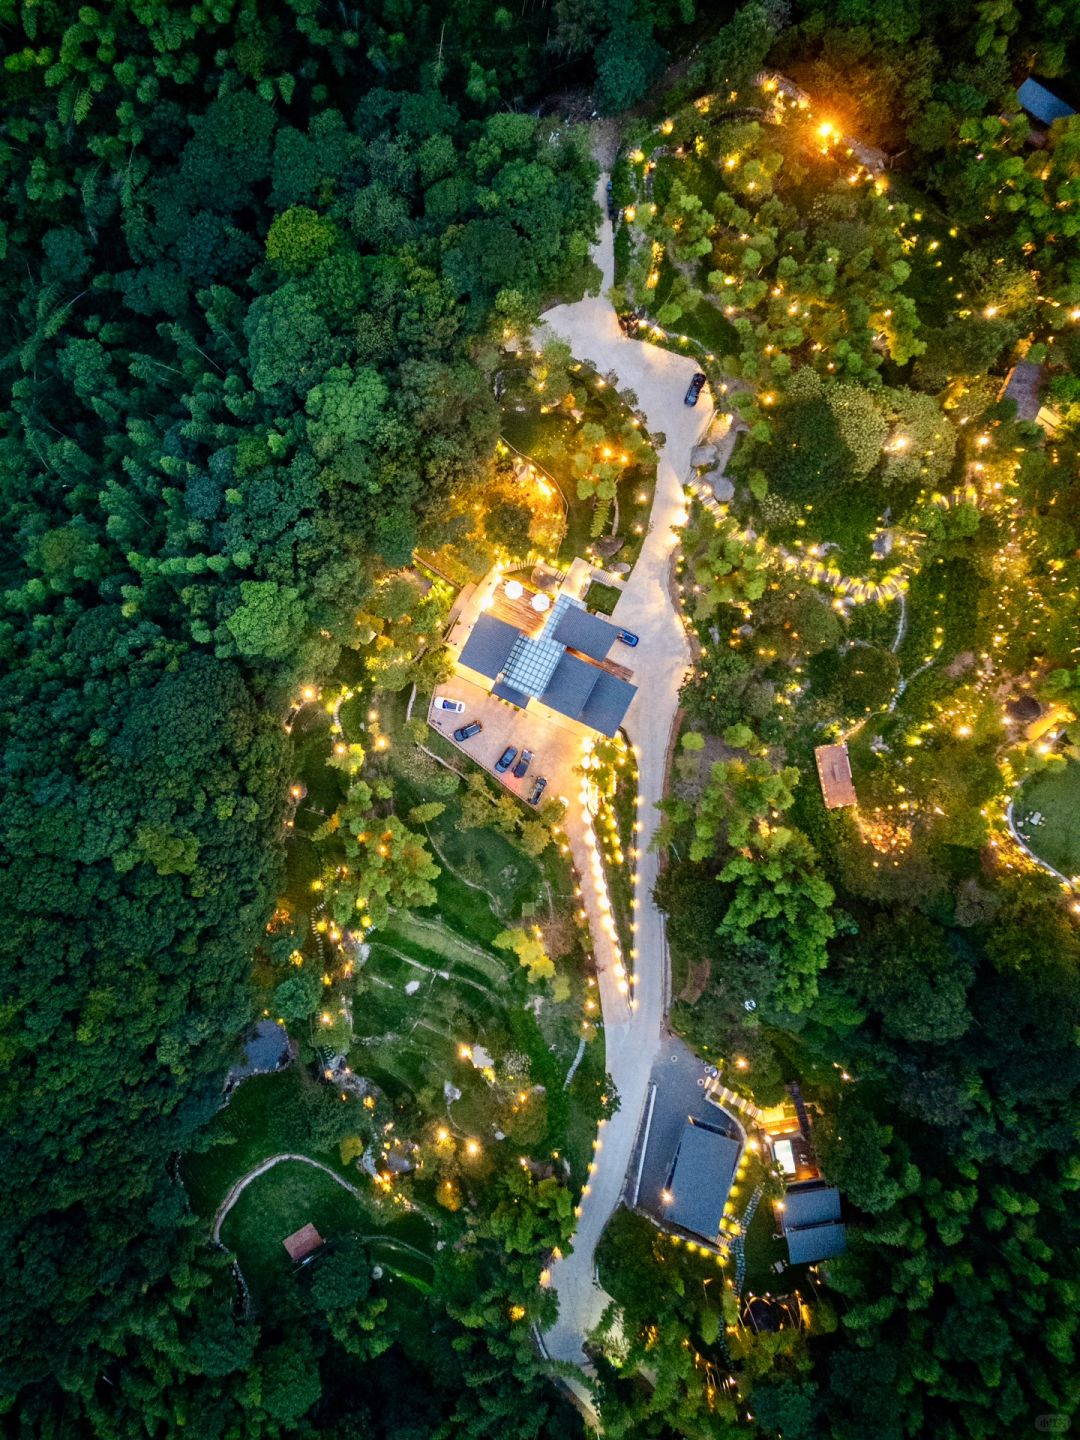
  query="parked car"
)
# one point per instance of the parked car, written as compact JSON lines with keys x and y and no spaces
{"x":627,"y":637}
{"x":611,"y":210}
{"x":505,"y":760}
{"x":697,"y":384}
{"x":468,"y":731}
{"x":537,"y":790}
{"x":457,"y":707}
{"x":523,"y":764}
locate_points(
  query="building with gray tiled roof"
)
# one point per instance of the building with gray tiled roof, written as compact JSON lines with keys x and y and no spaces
{"x":700,"y":1179}
{"x":562,"y":667}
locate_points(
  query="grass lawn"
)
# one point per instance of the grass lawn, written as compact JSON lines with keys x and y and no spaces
{"x":246,"y":1132}
{"x":845,"y":521}
{"x":507,"y":877}
{"x":551,"y":439}
{"x":762,"y":1252}
{"x":1054,"y":793}
{"x":707,"y":324}
{"x":292,"y":1194}
{"x":623,"y":810}
{"x":275,"y":1205}
{"x":602,"y":597}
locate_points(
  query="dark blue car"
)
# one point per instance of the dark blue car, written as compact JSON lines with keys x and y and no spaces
{"x":537,"y":790}
{"x":468,"y":731}
{"x":505,"y":760}
{"x":697,"y":384}
{"x":523,"y":764}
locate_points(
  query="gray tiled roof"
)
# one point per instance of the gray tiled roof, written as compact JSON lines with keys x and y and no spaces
{"x":812,"y":1206}
{"x":570,"y":685}
{"x":590,"y":634}
{"x":507,"y":692}
{"x":488,"y":645}
{"x":608,"y":702}
{"x":815,"y":1242}
{"x":704,"y":1169}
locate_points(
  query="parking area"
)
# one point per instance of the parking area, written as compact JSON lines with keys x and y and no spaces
{"x":555,"y":750}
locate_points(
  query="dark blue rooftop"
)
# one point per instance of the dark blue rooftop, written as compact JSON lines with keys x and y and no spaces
{"x":1042,"y":103}
{"x":489,"y":645}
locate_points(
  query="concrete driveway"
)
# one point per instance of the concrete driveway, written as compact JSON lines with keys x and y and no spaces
{"x":661,"y":660}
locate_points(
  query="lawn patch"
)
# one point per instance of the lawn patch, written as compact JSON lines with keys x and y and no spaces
{"x":1054,"y":793}
{"x":276,"y":1204}
{"x":602,"y":597}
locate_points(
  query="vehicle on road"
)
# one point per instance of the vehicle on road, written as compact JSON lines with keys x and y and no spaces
{"x":466,"y":732}
{"x":627,"y":637}
{"x":523,"y":764}
{"x":505,"y":760}
{"x":694,"y":389}
{"x":457,"y":707}
{"x":611,"y":210}
{"x":537,"y":790}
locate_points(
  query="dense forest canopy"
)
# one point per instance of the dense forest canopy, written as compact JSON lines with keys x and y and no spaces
{"x":251,"y":264}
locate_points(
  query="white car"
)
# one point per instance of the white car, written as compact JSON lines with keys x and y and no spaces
{"x":456,"y":706}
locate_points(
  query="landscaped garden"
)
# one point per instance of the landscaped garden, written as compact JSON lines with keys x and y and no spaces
{"x":589,"y":440}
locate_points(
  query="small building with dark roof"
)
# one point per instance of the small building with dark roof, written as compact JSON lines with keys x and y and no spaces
{"x":579,"y":630}
{"x":570,"y":685}
{"x":810,"y":1221}
{"x":812,"y":1243}
{"x":608,"y":702}
{"x":505,"y":692}
{"x":302,"y":1243}
{"x":488,"y":647}
{"x":700,"y":1179}
{"x":812,"y":1204}
{"x":558,"y":664}
{"x":1023,"y":708}
{"x":1042,"y":104}
{"x":266,"y":1048}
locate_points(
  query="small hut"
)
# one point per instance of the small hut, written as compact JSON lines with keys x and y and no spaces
{"x":834,"y":773}
{"x":302,"y":1244}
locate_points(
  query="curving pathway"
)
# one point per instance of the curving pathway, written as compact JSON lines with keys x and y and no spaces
{"x":239,"y":1186}
{"x":633,"y":1023}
